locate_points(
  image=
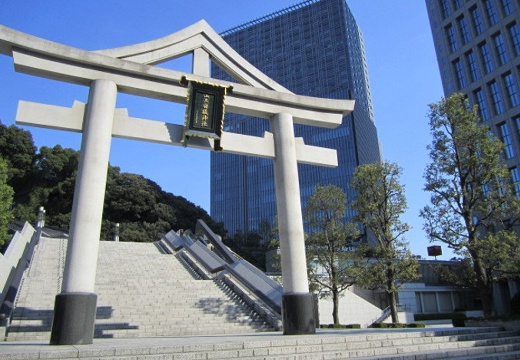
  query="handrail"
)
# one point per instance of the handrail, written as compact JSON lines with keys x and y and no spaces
{"x":220,"y":260}
{"x":384,"y":314}
{"x":18,"y":264}
{"x":202,"y":229}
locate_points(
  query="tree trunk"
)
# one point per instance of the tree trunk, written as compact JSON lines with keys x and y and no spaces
{"x":486,"y":295}
{"x":390,"y":293}
{"x":392,"y":301}
{"x":485,"y":288}
{"x":335,"y":307}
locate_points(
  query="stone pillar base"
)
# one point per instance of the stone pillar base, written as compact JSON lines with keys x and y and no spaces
{"x":298,"y":311}
{"x":74,"y":318}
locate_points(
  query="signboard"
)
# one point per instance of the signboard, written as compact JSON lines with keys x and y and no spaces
{"x":435,"y":250}
{"x":204,"y":111}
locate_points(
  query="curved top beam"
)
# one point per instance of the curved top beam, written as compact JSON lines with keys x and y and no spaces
{"x":36,"y":56}
{"x":185,"y":41}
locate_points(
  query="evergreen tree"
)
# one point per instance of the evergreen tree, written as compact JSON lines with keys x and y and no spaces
{"x":379,"y":203}
{"x":18,"y":151}
{"x":473,"y":205}
{"x":329,"y":245}
{"x":47,"y":178}
{"x":6,"y":201}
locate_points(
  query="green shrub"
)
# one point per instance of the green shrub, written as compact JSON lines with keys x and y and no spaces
{"x":333,"y":326}
{"x":458,"y":320}
{"x":379,"y":326}
{"x":437,"y":316}
{"x":353,"y":326}
{"x":515,"y":304}
{"x":416,"y":325}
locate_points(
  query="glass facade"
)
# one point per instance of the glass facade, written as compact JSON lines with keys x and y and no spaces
{"x":491,"y":60}
{"x":313,"y":48}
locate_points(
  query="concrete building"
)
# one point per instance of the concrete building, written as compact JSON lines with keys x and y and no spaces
{"x":478,"y":51}
{"x":429,"y":294}
{"x":313,"y":48}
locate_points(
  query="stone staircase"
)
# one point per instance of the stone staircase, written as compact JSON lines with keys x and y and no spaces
{"x":395,"y":344}
{"x":142,"y":292}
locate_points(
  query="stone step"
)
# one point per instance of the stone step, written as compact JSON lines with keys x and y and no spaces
{"x":326,"y":344}
{"x":506,"y":355}
{"x":139,"y":289}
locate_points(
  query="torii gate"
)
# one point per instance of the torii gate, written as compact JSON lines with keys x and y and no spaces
{"x":129,"y":70}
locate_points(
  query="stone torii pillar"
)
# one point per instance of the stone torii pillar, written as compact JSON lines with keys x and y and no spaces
{"x":75,"y":306}
{"x":297,"y":303}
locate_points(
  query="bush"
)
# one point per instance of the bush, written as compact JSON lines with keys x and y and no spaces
{"x":379,"y":326}
{"x":374,"y":326}
{"x":333,"y":326}
{"x":515,"y":304}
{"x":416,"y":325}
{"x":398,"y":326}
{"x":437,"y":316}
{"x":458,"y":320}
{"x":353,"y":326}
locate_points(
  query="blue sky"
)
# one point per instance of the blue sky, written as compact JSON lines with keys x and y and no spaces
{"x":403,"y":72}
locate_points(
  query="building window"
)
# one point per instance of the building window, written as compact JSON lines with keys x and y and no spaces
{"x":514,"y":32}
{"x":457,"y":4}
{"x":515,"y":178}
{"x":477,"y":20}
{"x":517,"y":123}
{"x":473,"y":66}
{"x":464,"y":30}
{"x":491,"y":12}
{"x":500,"y":46}
{"x":508,"y":7}
{"x":459,"y":72}
{"x":496,"y":97}
{"x":481,"y":102}
{"x":485,"y":192}
{"x":486,"y":57}
{"x":445,"y":8}
{"x":505,"y":136}
{"x":512,"y":89}
{"x":452,"y":38}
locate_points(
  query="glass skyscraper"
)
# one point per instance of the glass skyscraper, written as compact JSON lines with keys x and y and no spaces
{"x":478,"y":50}
{"x":314,"y":48}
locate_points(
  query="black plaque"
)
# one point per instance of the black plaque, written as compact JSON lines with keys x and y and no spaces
{"x":435,"y":250}
{"x":204,"y":111}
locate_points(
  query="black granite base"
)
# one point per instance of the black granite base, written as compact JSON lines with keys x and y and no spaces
{"x":299,"y":314}
{"x":74,"y":318}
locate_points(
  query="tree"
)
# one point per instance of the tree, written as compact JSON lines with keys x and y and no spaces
{"x":48,"y":178}
{"x":379,"y":203}
{"x":329,"y":244}
{"x":473,"y":205}
{"x":266,"y":231}
{"x":18,"y":151}
{"x":6,"y":201}
{"x":56,"y":170}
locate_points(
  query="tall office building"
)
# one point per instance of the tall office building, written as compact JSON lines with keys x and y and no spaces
{"x":478,"y":51}
{"x":313,"y":48}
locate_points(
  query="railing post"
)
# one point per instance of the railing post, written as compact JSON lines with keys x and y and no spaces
{"x":116,"y":232}
{"x":41,"y":218}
